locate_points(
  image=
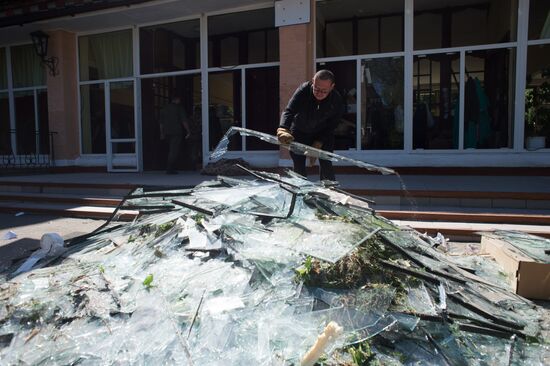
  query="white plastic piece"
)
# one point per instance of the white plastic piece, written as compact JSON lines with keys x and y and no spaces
{"x":9,"y":235}
{"x":442,"y":241}
{"x":51,"y":245}
{"x":332,"y":330}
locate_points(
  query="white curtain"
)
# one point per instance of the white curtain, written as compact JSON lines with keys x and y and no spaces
{"x":26,"y":67}
{"x":110,"y":54}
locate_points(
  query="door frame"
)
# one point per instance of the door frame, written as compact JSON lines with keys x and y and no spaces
{"x":131,"y":160}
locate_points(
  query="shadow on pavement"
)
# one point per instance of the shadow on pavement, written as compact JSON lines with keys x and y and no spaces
{"x":16,"y":250}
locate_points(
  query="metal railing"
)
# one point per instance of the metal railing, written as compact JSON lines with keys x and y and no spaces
{"x":24,"y":150}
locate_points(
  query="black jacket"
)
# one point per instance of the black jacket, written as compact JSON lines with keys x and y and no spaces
{"x":306,"y":114}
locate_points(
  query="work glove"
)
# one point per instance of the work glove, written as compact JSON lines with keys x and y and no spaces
{"x":284,"y":136}
{"x":313,"y":155}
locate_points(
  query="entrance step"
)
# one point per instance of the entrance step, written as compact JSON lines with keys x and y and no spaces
{"x":449,"y":212}
{"x":82,"y":189}
{"x":60,"y":198}
{"x":477,"y":217}
{"x":413,"y":199}
{"x":468,"y":231}
{"x":66,"y":210}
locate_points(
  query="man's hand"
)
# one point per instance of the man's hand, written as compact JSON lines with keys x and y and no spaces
{"x":284,"y":136}
{"x":314,"y":155}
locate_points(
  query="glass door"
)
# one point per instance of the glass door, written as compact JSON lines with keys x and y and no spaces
{"x":120,"y":124}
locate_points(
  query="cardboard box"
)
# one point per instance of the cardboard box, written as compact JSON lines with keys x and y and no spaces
{"x":528,"y":276}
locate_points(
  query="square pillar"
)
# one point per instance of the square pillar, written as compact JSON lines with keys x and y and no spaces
{"x":63,"y":96}
{"x":297,"y":64}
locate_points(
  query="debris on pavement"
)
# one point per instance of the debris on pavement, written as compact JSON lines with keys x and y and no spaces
{"x":8,"y":235}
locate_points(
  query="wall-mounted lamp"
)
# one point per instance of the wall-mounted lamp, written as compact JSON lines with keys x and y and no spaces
{"x":40,"y":42}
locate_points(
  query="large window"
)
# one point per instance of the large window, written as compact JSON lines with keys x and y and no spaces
{"x":248,"y":37}
{"x":224,"y":106}
{"x":463,"y":71}
{"x":107,"y":106}
{"x":92,"y":118}
{"x":382,"y":103}
{"x":537,"y":93}
{"x":483,"y":113}
{"x":537,"y":97}
{"x":489,"y":90}
{"x":27,"y":69}
{"x":262,"y":105}
{"x":156,"y":93}
{"x":243,"y":80}
{"x":346,"y":84}
{"x":105,"y":56}
{"x":458,"y":23}
{"x":436,"y":97}
{"x":5,"y":137}
{"x":30,"y":103}
{"x":3,"y":70}
{"x":370,"y":83}
{"x":355,"y":27}
{"x":539,"y":19}
{"x":170,"y":47}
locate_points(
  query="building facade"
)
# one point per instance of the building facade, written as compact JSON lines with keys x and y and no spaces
{"x":426,"y":83}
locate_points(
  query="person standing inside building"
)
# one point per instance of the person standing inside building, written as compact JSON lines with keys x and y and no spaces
{"x":173,"y":128}
{"x":310,"y":118}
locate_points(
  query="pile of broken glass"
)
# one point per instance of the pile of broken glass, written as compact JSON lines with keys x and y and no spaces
{"x":252,"y":271}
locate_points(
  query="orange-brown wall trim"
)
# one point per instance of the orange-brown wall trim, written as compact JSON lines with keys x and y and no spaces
{"x":63,"y":95}
{"x":296,"y":60}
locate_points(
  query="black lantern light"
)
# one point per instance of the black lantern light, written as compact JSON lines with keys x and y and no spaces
{"x":40,"y":42}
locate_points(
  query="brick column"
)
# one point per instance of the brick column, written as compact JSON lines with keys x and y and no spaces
{"x":296,"y":64}
{"x":63,"y":96}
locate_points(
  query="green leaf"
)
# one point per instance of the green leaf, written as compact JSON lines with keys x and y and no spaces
{"x":148,"y":281}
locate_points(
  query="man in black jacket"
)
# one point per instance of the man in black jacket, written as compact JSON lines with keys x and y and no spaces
{"x":310,"y":118}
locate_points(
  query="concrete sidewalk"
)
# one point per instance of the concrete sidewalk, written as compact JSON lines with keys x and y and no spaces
{"x":30,"y":228}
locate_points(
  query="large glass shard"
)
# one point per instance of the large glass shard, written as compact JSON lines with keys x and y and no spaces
{"x":232,"y":196}
{"x":330,"y":241}
{"x":295,"y":147}
{"x":524,"y":244}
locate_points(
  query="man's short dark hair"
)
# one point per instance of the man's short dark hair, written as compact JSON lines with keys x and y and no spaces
{"x":324,"y":75}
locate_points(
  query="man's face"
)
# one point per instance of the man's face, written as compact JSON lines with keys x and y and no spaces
{"x":321,"y":88}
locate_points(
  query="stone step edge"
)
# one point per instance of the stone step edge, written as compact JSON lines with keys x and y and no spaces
{"x":412,"y":194}
{"x":358,"y":191}
{"x":81,"y":212}
{"x":60,"y":198}
{"x":410,"y":216}
{"x":471,"y":230}
{"x":474,"y":217}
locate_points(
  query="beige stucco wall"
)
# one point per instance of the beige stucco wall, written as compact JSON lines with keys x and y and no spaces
{"x":63,"y":94}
